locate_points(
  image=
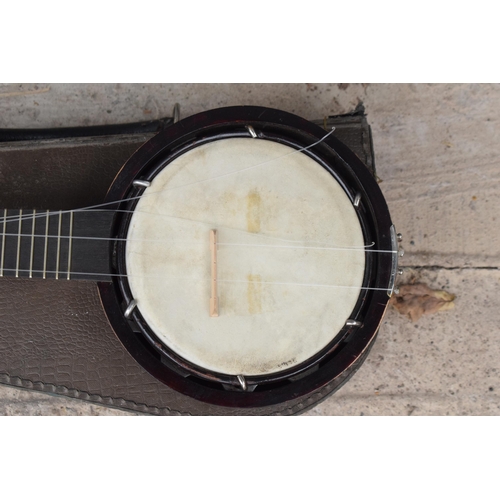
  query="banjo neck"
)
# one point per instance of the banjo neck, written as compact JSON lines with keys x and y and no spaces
{"x":54,"y":244}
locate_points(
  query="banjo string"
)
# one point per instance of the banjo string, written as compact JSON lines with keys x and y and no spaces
{"x":15,"y":218}
{"x":311,"y":244}
{"x":156,"y":276}
{"x":23,"y":217}
{"x":162,"y":241}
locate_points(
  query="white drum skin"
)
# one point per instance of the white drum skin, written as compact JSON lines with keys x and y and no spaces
{"x":290,"y":256}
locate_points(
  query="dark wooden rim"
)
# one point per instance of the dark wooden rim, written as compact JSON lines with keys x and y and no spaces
{"x":344,"y":164}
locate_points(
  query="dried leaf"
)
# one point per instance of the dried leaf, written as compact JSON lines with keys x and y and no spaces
{"x":418,"y":299}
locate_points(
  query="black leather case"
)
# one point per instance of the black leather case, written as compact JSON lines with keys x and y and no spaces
{"x":54,"y":335}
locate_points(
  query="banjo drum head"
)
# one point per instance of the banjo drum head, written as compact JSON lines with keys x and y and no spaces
{"x":258,"y":207}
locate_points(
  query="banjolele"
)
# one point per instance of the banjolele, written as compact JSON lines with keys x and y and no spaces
{"x":244,"y":257}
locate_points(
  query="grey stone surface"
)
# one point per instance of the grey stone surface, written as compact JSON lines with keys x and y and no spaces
{"x":437,"y":151}
{"x":17,"y":402}
{"x":444,"y":364}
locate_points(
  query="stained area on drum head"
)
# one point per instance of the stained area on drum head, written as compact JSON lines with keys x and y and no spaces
{"x":278,"y":297}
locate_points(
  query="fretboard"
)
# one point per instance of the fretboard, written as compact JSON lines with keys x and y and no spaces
{"x":55,"y":244}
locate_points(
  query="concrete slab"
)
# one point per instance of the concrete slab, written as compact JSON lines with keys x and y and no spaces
{"x":437,"y":152}
{"x":18,"y":402}
{"x":444,"y":364}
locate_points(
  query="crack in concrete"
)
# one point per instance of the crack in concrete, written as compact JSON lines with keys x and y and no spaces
{"x":454,"y":268}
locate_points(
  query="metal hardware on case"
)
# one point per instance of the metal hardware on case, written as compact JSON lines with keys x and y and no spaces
{"x":252,"y":131}
{"x":139,"y":183}
{"x":400,"y":271}
{"x":400,"y":237}
{"x":401,"y":252}
{"x":130,"y":308}
{"x":242,"y":382}
{"x":176,"y":112}
{"x":357,"y":199}
{"x":353,"y":322}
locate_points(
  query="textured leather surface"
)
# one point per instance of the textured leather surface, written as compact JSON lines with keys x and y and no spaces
{"x":61,"y":174}
{"x":54,"y":336}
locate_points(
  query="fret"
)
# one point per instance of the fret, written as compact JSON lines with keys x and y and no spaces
{"x":32,"y":243}
{"x":58,"y":255}
{"x":11,"y":243}
{"x":19,"y":242}
{"x":2,"y":257}
{"x":53,"y":245}
{"x":40,"y":247}
{"x":64,"y":244}
{"x":24,"y":243}
{"x":40,"y":239}
{"x":46,"y":245}
{"x":70,"y":247}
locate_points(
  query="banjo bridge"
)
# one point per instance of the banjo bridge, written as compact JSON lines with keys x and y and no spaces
{"x":214,"y":301}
